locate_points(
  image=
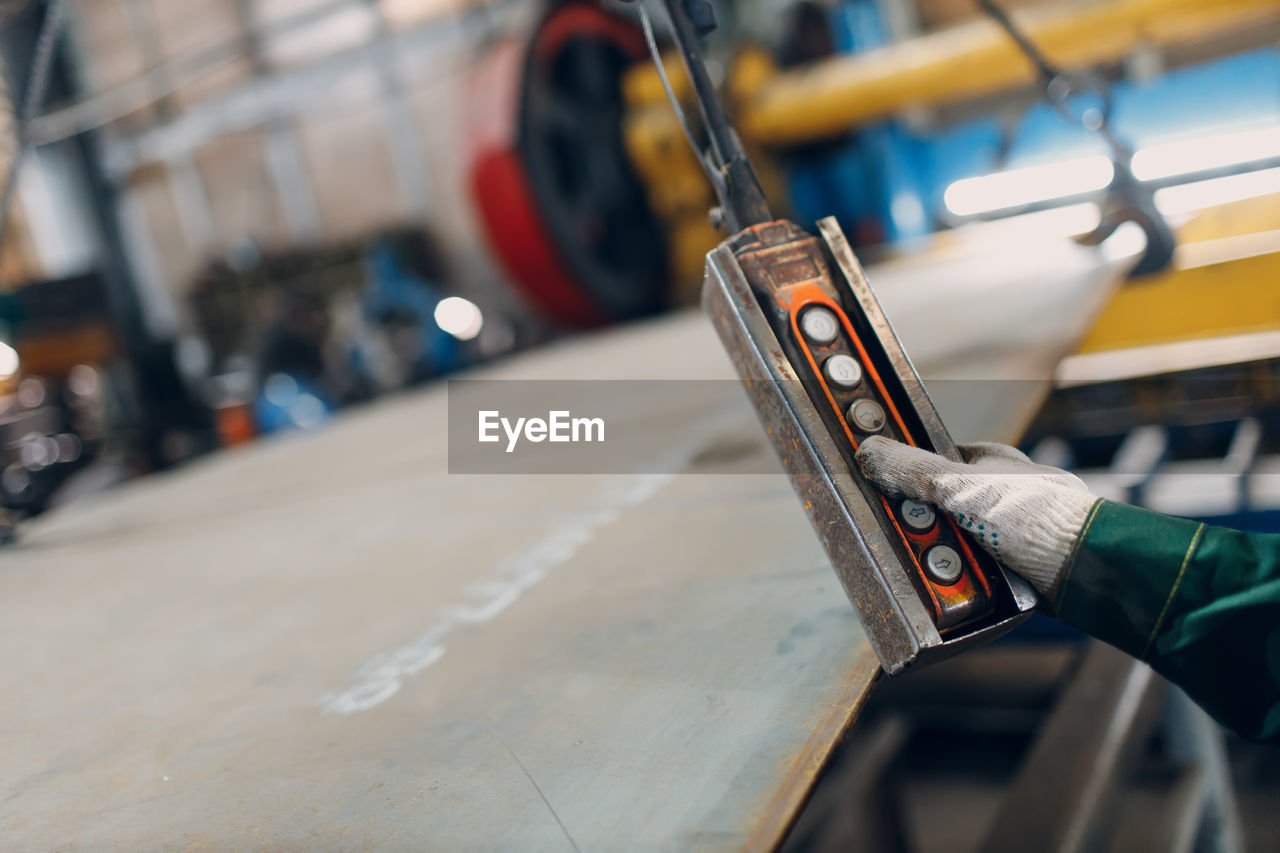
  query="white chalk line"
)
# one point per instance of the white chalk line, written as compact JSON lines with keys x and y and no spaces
{"x":383,"y":675}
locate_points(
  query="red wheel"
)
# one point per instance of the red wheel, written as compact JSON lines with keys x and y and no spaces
{"x":557,"y":196}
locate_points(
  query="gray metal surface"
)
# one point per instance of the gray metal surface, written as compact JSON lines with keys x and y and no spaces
{"x":327,"y":642}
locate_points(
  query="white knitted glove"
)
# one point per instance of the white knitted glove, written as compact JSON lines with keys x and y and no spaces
{"x":1027,"y":516}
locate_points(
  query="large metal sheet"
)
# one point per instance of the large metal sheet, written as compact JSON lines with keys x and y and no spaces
{"x":328,"y":642}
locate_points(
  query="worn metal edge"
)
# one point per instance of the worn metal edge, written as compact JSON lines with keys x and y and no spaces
{"x":777,"y":818}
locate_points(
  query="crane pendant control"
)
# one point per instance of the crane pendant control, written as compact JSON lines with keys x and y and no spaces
{"x":824,"y":371}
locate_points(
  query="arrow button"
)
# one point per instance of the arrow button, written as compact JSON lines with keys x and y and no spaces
{"x":918,"y":516}
{"x":943,"y":564}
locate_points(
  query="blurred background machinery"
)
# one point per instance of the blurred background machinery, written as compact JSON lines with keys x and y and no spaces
{"x":232,"y":218}
{"x":256,"y":180}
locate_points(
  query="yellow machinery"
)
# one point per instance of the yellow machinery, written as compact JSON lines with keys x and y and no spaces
{"x":1225,"y":251}
{"x":1225,"y":280}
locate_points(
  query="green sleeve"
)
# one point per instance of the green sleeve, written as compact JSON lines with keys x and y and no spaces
{"x":1201,"y":604}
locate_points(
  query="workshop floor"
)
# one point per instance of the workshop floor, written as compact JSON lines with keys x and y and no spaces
{"x":922,"y":775}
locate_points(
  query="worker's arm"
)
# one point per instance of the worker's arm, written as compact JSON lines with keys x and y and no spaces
{"x":1201,"y":604}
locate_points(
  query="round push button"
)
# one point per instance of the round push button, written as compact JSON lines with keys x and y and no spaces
{"x":918,"y":516}
{"x":943,"y":564}
{"x":867,"y":416}
{"x":819,"y":325}
{"x":844,"y":370}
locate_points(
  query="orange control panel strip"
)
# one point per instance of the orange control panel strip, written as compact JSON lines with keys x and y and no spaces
{"x":805,"y":296}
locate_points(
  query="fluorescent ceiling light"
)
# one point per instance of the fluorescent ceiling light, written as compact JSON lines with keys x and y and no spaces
{"x":1187,"y":198}
{"x":1016,"y":187}
{"x":1194,"y":155}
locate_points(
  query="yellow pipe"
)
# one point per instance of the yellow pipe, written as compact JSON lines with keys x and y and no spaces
{"x":834,"y":95}
{"x":973,"y":59}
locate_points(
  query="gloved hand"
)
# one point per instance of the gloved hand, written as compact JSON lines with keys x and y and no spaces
{"x":1027,"y":516}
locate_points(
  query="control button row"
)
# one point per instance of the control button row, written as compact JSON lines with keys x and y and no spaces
{"x":821,"y":326}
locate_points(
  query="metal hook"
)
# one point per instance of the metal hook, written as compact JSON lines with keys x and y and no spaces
{"x":1127,"y":199}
